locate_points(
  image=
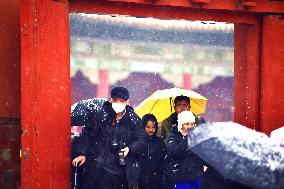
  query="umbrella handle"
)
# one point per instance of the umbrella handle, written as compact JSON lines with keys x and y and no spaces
{"x":75,"y":179}
{"x":171,"y":104}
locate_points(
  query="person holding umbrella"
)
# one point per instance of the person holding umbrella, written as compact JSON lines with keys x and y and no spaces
{"x":152,"y":156}
{"x":110,"y":143}
{"x":183,"y":166}
{"x":181,"y":103}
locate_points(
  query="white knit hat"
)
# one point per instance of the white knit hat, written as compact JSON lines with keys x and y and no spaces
{"x":185,"y":117}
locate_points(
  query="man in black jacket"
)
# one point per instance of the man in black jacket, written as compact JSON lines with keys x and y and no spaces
{"x":110,"y":143}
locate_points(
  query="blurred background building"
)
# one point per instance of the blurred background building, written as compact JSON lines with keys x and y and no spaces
{"x":145,"y":54}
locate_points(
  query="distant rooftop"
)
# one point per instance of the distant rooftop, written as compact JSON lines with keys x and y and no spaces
{"x":125,"y":28}
{"x":161,"y":24}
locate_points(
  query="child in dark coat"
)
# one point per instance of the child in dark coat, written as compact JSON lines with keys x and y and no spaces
{"x":152,"y":156}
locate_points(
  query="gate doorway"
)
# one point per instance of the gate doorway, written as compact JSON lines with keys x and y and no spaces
{"x":45,"y":73}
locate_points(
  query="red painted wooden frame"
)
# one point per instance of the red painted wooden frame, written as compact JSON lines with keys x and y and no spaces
{"x":45,"y":72}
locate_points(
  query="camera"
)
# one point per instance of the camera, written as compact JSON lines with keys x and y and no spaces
{"x":115,"y":146}
{"x":121,"y":158}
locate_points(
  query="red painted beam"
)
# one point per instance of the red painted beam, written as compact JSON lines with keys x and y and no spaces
{"x":163,"y":12}
{"x":259,"y":6}
{"x":45,"y":94}
{"x":272,"y":93}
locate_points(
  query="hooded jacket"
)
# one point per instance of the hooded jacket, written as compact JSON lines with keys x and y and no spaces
{"x":151,"y":160}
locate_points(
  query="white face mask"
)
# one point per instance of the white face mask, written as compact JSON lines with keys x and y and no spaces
{"x":118,"y":107}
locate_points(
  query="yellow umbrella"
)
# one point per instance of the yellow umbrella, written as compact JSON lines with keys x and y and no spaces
{"x":160,"y":103}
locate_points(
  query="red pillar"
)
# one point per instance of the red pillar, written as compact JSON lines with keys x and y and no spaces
{"x":45,"y":94}
{"x":187,"y":81}
{"x":272,"y":94}
{"x":247,"y":75}
{"x":103,"y":84}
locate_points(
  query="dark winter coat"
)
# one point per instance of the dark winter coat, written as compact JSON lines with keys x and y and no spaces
{"x":151,"y":161}
{"x":98,"y":139}
{"x":182,"y":164}
{"x":213,"y":180}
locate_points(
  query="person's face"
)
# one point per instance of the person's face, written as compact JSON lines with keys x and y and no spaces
{"x":118,"y":105}
{"x":186,"y":126}
{"x":181,"y":106}
{"x":150,"y":128}
{"x":119,"y":100}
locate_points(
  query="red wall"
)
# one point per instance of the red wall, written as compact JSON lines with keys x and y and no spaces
{"x":9,"y":58}
{"x":10,"y":94}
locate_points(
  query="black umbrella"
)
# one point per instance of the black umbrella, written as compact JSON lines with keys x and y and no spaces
{"x":82,"y":112}
{"x":240,"y":154}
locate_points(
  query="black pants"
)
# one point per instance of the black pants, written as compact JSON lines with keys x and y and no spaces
{"x":150,"y":182}
{"x":105,"y":180}
{"x":150,"y":186}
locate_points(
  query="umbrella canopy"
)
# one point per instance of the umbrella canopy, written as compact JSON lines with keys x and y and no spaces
{"x":278,"y":136}
{"x":81,"y":112}
{"x":239,"y":154}
{"x":160,"y":103}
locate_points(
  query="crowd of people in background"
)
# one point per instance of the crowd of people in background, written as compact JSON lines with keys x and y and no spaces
{"x":118,"y":150}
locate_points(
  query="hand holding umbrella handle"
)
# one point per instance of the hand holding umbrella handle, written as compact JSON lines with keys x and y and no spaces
{"x":78,"y":161}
